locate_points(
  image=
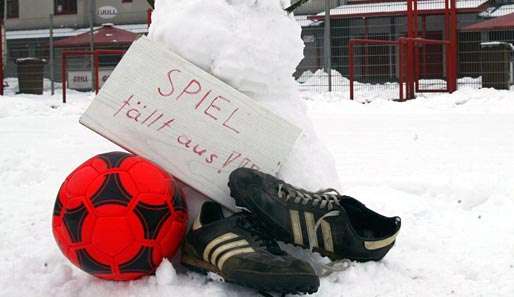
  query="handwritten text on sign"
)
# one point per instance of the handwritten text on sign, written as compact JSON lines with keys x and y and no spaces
{"x":162,"y":107}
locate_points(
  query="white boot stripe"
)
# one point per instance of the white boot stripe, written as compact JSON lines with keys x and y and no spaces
{"x":224,"y":247}
{"x":311,"y":232}
{"x":232,"y":253}
{"x":297,"y":228}
{"x":216,"y":241}
{"x":328,"y":243}
{"x":378,"y":244}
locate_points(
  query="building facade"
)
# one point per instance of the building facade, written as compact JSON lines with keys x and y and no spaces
{"x":35,"y":14}
{"x":27,"y":25}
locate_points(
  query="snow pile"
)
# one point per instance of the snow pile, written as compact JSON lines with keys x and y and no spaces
{"x":12,"y":85}
{"x":319,"y":80}
{"x":254,"y":46}
{"x":442,"y":162}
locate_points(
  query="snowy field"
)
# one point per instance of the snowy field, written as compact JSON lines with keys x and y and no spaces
{"x":444,"y":163}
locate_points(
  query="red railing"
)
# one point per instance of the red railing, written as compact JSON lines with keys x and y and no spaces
{"x":409,"y":52}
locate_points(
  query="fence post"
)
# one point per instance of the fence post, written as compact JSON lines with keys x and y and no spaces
{"x":63,"y":76}
{"x":149,"y":17}
{"x":1,"y":59}
{"x":452,"y":48}
{"x":51,"y":55}
{"x":350,"y":66}
{"x":92,"y":13}
{"x":326,"y":45}
{"x":97,"y":71}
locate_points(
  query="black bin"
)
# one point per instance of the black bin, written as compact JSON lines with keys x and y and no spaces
{"x":30,"y":75}
{"x":496,"y":65}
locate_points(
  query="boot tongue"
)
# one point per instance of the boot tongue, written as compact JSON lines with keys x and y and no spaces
{"x":251,"y":223}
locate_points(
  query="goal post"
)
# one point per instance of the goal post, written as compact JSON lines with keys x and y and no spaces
{"x":96,"y":54}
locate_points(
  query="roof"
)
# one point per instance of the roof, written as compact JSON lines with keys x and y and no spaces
{"x":105,"y":35}
{"x":505,"y":22}
{"x":67,"y":32}
{"x":305,"y":20}
{"x":497,"y":11}
{"x":400,"y":8}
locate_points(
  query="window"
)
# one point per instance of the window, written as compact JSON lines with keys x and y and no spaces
{"x":13,"y":9}
{"x":65,"y":7}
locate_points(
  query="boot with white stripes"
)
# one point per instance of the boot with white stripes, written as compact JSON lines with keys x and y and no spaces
{"x":336,"y":226}
{"x":240,"y":251}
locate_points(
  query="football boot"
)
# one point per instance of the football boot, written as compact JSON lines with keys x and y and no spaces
{"x":336,"y":226}
{"x":240,"y":251}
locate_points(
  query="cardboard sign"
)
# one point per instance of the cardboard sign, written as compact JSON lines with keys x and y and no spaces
{"x":160,"y":106}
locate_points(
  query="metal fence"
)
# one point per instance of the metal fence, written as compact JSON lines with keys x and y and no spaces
{"x":377,"y":67}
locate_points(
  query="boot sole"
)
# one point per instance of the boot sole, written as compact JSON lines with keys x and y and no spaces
{"x":198,"y":265}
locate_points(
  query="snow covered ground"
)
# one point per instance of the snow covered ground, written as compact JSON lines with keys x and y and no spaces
{"x":444,"y":163}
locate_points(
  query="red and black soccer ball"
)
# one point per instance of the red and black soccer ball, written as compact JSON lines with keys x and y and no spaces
{"x":118,"y":215}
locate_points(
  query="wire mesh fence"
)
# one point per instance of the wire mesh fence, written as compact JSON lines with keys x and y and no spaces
{"x":484,"y":31}
{"x":377,"y":66}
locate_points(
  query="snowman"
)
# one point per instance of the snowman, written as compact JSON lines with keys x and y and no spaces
{"x":254,"y":46}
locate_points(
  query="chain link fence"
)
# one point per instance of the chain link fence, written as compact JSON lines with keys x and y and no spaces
{"x":481,"y":25}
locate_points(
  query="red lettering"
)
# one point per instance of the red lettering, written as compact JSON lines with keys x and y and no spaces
{"x":199,"y":151}
{"x":148,"y":117}
{"x":233,"y":156}
{"x":125,"y":103}
{"x":225,"y":124}
{"x":214,"y":106}
{"x":211,"y":158}
{"x":186,"y":143}
{"x":193,"y":90}
{"x":203,"y":98}
{"x":167,"y":94}
{"x":166,"y":124}
{"x":244,"y":162}
{"x":155,"y":120}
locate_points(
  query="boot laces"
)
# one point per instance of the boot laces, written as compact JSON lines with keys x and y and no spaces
{"x":327,"y":198}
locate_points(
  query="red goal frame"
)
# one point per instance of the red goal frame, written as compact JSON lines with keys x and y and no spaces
{"x":409,"y":53}
{"x":96,"y":55}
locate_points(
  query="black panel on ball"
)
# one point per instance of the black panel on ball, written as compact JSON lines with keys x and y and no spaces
{"x":142,"y":262}
{"x":73,"y":221}
{"x":88,"y":264}
{"x":114,"y":159}
{"x":57,"y":206}
{"x":178,"y":201}
{"x":152,"y":217}
{"x":111,"y":192}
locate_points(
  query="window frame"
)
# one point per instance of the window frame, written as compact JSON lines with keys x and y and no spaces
{"x":65,"y":12}
{"x":9,"y":9}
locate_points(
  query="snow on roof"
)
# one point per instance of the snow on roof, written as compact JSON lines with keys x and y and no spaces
{"x":497,"y":43}
{"x":398,"y":6}
{"x":67,"y":32}
{"x":305,"y":21}
{"x":502,"y":23}
{"x":502,"y":10}
{"x":106,"y":34}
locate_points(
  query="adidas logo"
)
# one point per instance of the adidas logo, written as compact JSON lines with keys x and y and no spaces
{"x":309,"y":224}
{"x":223,"y":247}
